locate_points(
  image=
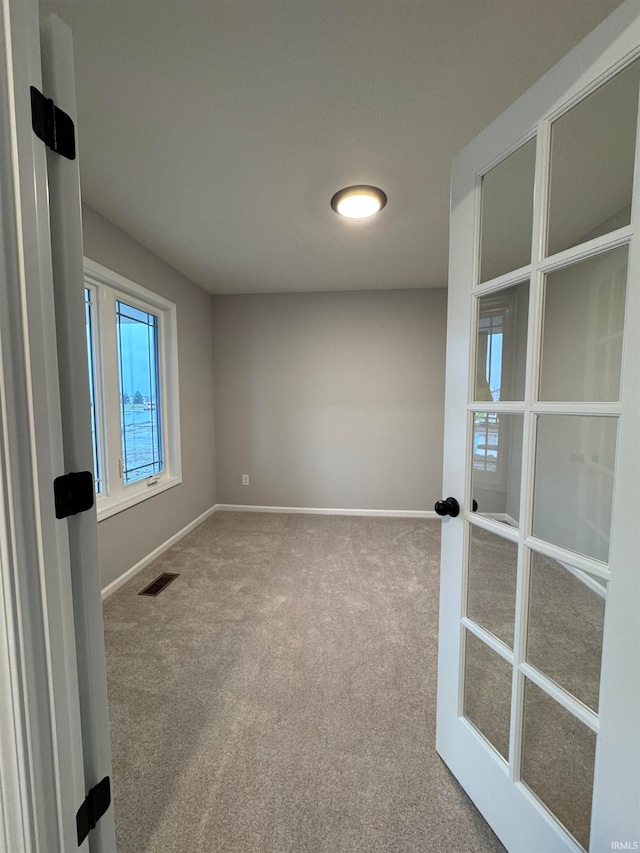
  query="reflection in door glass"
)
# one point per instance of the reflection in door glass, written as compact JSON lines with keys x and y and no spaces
{"x":583,"y":326}
{"x":558,"y":757}
{"x":592,"y":182}
{"x":491,"y":583}
{"x":574,"y":470}
{"x":487,"y":692}
{"x":566,"y":621}
{"x":501,"y":344}
{"x":497,"y":463}
{"x":507,"y":214}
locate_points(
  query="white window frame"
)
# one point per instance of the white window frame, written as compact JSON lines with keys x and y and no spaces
{"x":109,"y":286}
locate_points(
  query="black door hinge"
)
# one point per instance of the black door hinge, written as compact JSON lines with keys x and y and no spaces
{"x":95,"y":805}
{"x":52,"y":125}
{"x":73,"y":493}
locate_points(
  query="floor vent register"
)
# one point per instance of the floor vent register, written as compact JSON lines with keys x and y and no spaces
{"x":160,"y":583}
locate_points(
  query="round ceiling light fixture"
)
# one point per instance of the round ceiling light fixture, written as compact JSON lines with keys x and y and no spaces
{"x":358,"y":202}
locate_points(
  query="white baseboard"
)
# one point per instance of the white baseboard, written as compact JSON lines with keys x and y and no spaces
{"x":126,"y":576}
{"x":388,"y":513}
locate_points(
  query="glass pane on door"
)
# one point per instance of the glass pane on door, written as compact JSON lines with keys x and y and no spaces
{"x":487,"y":692}
{"x":507,"y":213}
{"x":558,"y":757}
{"x":582,"y":332}
{"x":497,"y":465}
{"x":592,"y":159}
{"x":491,"y":583}
{"x":566,"y":621}
{"x":501,"y":344}
{"x":573,"y":491}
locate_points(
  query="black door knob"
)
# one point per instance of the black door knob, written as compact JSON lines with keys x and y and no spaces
{"x":449,"y":506}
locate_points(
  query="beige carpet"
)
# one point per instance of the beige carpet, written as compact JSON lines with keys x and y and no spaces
{"x":279,"y":696}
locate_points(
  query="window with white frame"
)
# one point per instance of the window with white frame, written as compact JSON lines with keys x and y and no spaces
{"x":133,"y":384}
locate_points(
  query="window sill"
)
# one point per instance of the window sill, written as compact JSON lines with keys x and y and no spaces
{"x":107,"y":507}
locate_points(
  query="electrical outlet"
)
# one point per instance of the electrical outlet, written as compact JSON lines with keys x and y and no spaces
{"x":245,"y":479}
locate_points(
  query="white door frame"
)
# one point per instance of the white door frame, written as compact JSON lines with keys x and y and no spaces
{"x":486,"y":779}
{"x":41,"y":761}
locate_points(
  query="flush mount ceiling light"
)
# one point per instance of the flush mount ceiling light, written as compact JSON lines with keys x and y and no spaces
{"x":358,"y":202}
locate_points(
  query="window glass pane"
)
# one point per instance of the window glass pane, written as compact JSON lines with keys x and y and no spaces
{"x":139,"y":393}
{"x":89,"y":326}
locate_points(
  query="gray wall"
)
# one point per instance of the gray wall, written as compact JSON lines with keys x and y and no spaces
{"x":132,"y":534}
{"x":330,"y":399}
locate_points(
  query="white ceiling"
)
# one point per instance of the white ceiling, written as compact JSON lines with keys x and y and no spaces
{"x":215,"y":133}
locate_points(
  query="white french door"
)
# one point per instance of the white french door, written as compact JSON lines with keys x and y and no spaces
{"x":54,"y":737}
{"x":539,"y":660}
